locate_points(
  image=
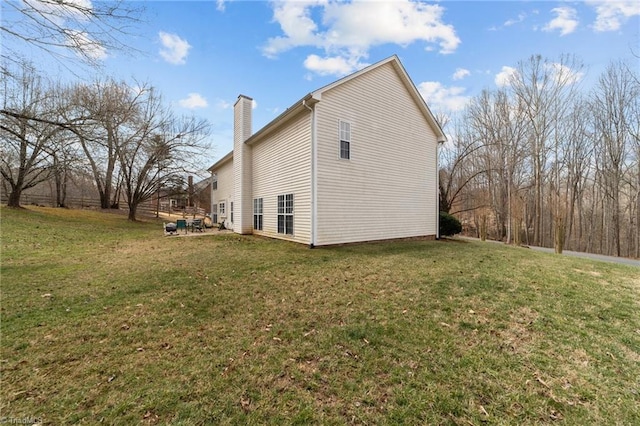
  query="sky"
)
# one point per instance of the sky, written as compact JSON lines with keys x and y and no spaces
{"x":202,"y":54}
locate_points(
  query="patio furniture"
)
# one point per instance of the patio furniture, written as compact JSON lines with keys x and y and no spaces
{"x":182,"y":224}
{"x":196,"y":225}
{"x":170,"y":228}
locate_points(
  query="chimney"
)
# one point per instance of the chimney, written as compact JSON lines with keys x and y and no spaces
{"x":242,"y":176}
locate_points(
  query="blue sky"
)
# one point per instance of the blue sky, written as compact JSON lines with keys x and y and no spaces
{"x":203,"y":54}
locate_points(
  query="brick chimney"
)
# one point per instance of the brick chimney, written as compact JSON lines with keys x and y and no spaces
{"x":190,"y":191}
{"x":242,"y":202}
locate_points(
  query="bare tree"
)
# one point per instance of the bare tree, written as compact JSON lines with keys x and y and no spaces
{"x":25,"y":159}
{"x":613,"y":105}
{"x":496,"y":120}
{"x":564,"y":166}
{"x":544,"y":89}
{"x":457,"y":169}
{"x":66,"y":29}
{"x":98,"y":113}
{"x":634,"y":131}
{"x":158,"y":149}
{"x":66,"y":157}
{"x":577,"y":156}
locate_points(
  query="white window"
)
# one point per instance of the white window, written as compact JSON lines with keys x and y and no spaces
{"x":345,"y":140}
{"x":221,"y":209}
{"x":214,"y":214}
{"x":214,"y":185}
{"x":231,"y":210}
{"x":285,"y":214}
{"x":257,"y":214}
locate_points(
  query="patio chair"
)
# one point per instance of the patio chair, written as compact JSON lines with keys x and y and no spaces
{"x":182,"y":224}
{"x":196,"y":225}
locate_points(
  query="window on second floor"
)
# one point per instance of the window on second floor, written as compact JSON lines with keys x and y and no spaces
{"x":345,"y":140}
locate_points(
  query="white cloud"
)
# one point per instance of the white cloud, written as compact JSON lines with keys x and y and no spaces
{"x":461,"y":73}
{"x":566,"y":20}
{"x":81,"y":41}
{"x":296,"y":24}
{"x":193,"y":101}
{"x":347,"y":30}
{"x":71,"y":12}
{"x":138,"y":90}
{"x":336,"y":65}
{"x":553,"y":70}
{"x":520,"y":18}
{"x":58,"y":13}
{"x":611,"y":14}
{"x":441,"y":98}
{"x":503,"y":78}
{"x":175,"y":49}
{"x":563,"y":74}
{"x":222,"y":104}
{"x":220,"y":5}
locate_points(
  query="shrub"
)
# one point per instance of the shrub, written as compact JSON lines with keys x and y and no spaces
{"x":449,"y":225}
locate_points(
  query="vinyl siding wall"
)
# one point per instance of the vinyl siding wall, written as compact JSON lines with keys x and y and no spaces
{"x":387,"y":189}
{"x":243,"y":207}
{"x":225,"y":189}
{"x":282,"y":165}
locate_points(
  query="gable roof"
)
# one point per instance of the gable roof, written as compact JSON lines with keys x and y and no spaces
{"x":411,"y":88}
{"x":315,"y":96}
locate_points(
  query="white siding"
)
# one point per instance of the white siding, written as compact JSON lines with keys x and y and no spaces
{"x":388,"y":187}
{"x":282,"y":165}
{"x":242,"y":165}
{"x":225,"y":188}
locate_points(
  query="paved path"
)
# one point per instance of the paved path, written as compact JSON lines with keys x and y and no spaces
{"x":600,"y":257}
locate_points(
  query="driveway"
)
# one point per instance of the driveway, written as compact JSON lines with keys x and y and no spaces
{"x":600,"y":257}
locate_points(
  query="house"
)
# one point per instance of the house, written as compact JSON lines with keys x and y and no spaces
{"x":353,"y":161}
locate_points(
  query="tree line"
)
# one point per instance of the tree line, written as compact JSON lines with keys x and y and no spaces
{"x":121,"y":134}
{"x":544,"y":161}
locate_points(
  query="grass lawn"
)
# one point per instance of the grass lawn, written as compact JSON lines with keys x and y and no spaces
{"x":108,"y":321}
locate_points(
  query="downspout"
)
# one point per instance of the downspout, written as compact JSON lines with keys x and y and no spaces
{"x":314,"y":192}
{"x":211,"y":199}
{"x":440,"y":142}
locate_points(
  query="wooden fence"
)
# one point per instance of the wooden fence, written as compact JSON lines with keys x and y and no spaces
{"x":145,"y":209}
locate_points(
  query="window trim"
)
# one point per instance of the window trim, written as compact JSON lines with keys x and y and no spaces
{"x":222,"y":209}
{"x":347,"y":140}
{"x":286,"y":212}
{"x":214,"y":213}
{"x":231,"y":211}
{"x":258,"y":214}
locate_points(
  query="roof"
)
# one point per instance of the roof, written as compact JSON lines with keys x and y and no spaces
{"x":221,"y":161}
{"x":315,"y":96}
{"x":202,"y":185}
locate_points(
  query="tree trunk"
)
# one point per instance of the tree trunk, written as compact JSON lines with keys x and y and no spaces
{"x":61,"y":178}
{"x":559,"y":235}
{"x":570,"y":219}
{"x":14,"y":197}
{"x":483,"y":227}
{"x":104,"y":200}
{"x":133,"y":207}
{"x":638,"y":215}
